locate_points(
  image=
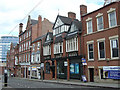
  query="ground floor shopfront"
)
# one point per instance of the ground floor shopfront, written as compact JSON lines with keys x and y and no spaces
{"x":105,"y":74}
{"x":35,"y":72}
{"x":64,"y":68}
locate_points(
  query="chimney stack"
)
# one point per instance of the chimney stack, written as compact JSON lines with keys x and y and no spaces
{"x":20,"y":27}
{"x":83,"y":10}
{"x":72,"y":15}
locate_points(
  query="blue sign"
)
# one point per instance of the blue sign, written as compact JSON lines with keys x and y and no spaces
{"x":84,"y":61}
{"x":111,"y":72}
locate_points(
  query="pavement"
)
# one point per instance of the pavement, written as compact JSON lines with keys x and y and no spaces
{"x":80,"y":83}
{"x":76,"y":82}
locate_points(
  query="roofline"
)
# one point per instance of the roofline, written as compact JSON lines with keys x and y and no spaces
{"x":99,"y":8}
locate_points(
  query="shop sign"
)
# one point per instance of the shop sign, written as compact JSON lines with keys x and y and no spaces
{"x":65,"y":64}
{"x":111,"y":72}
{"x":84,"y":61}
{"x":34,"y":68}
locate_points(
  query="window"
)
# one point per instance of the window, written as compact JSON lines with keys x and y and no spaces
{"x":89,"y":27}
{"x":38,"y":45}
{"x":33,"y":47}
{"x":47,"y":50}
{"x":74,"y":68}
{"x":114,"y":48}
{"x":90,"y":52}
{"x":72,"y":45}
{"x":58,"y":48}
{"x":73,"y":28}
{"x":112,"y":19}
{"x":100,"y":23}
{"x":60,"y":68}
{"x":101,"y":50}
{"x":47,"y":67}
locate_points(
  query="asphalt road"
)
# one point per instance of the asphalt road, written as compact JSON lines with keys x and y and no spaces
{"x":25,"y":83}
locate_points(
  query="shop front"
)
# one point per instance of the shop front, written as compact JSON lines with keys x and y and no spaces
{"x":35,"y":72}
{"x":61,"y":69}
{"x":76,"y":67}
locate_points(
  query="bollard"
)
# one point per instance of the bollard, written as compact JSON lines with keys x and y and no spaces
{"x":5,"y":80}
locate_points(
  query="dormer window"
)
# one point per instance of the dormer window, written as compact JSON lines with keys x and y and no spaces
{"x":73,"y":28}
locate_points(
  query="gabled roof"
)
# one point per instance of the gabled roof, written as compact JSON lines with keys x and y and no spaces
{"x":39,"y":38}
{"x":33,"y":22}
{"x":65,"y":20}
{"x":49,"y":41}
{"x":73,"y":34}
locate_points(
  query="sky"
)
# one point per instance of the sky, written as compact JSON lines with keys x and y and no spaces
{"x":13,"y":12}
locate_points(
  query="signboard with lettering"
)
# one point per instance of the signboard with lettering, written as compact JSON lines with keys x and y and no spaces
{"x":111,"y":72}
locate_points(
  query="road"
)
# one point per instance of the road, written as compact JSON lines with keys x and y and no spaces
{"x":25,"y":83}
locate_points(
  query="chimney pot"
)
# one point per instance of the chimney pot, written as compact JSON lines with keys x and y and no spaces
{"x":20,"y":27}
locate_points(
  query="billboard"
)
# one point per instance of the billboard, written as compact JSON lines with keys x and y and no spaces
{"x":111,"y":72}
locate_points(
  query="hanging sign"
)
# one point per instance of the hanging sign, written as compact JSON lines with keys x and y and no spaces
{"x":84,"y":61}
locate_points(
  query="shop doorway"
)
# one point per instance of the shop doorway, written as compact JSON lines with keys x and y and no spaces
{"x":26,"y":72}
{"x":91,"y":71}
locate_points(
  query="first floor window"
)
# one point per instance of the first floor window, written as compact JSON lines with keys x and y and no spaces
{"x":114,"y":48}
{"x":101,"y":50}
{"x":90,"y":51}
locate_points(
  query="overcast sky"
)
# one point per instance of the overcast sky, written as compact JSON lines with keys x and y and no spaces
{"x":13,"y":11}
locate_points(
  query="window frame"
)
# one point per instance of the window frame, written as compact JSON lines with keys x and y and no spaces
{"x":110,"y":19}
{"x":100,"y":24}
{"x":90,"y":20}
{"x":99,"y":41}
{"x":88,"y":43}
{"x":112,"y":48}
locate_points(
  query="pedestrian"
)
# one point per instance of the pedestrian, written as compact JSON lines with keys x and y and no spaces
{"x":5,"y":77}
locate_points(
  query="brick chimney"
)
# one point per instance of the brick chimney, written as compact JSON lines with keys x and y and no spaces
{"x":20,"y":27}
{"x":39,"y":30}
{"x":72,"y":15}
{"x":83,"y":10}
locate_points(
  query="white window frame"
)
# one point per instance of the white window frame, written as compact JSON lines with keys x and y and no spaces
{"x":101,"y":40}
{"x":111,"y":11}
{"x":102,"y":23}
{"x":57,"y":47}
{"x":114,"y":38}
{"x":72,"y":41}
{"x":90,"y":42}
{"x":87,"y":21}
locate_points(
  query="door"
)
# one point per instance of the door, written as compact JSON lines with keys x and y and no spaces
{"x":26,"y":72}
{"x":91,"y":70}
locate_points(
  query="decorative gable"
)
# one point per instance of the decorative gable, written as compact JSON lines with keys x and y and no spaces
{"x":73,"y":28}
{"x":58,"y":23}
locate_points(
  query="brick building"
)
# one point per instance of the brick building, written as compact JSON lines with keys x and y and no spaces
{"x":37,"y":49}
{"x":11,"y":59}
{"x":101,"y":31}
{"x":61,"y":51}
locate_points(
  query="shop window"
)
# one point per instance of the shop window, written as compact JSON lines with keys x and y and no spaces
{"x":74,"y":68}
{"x":47,"y":67}
{"x":60,"y":68}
